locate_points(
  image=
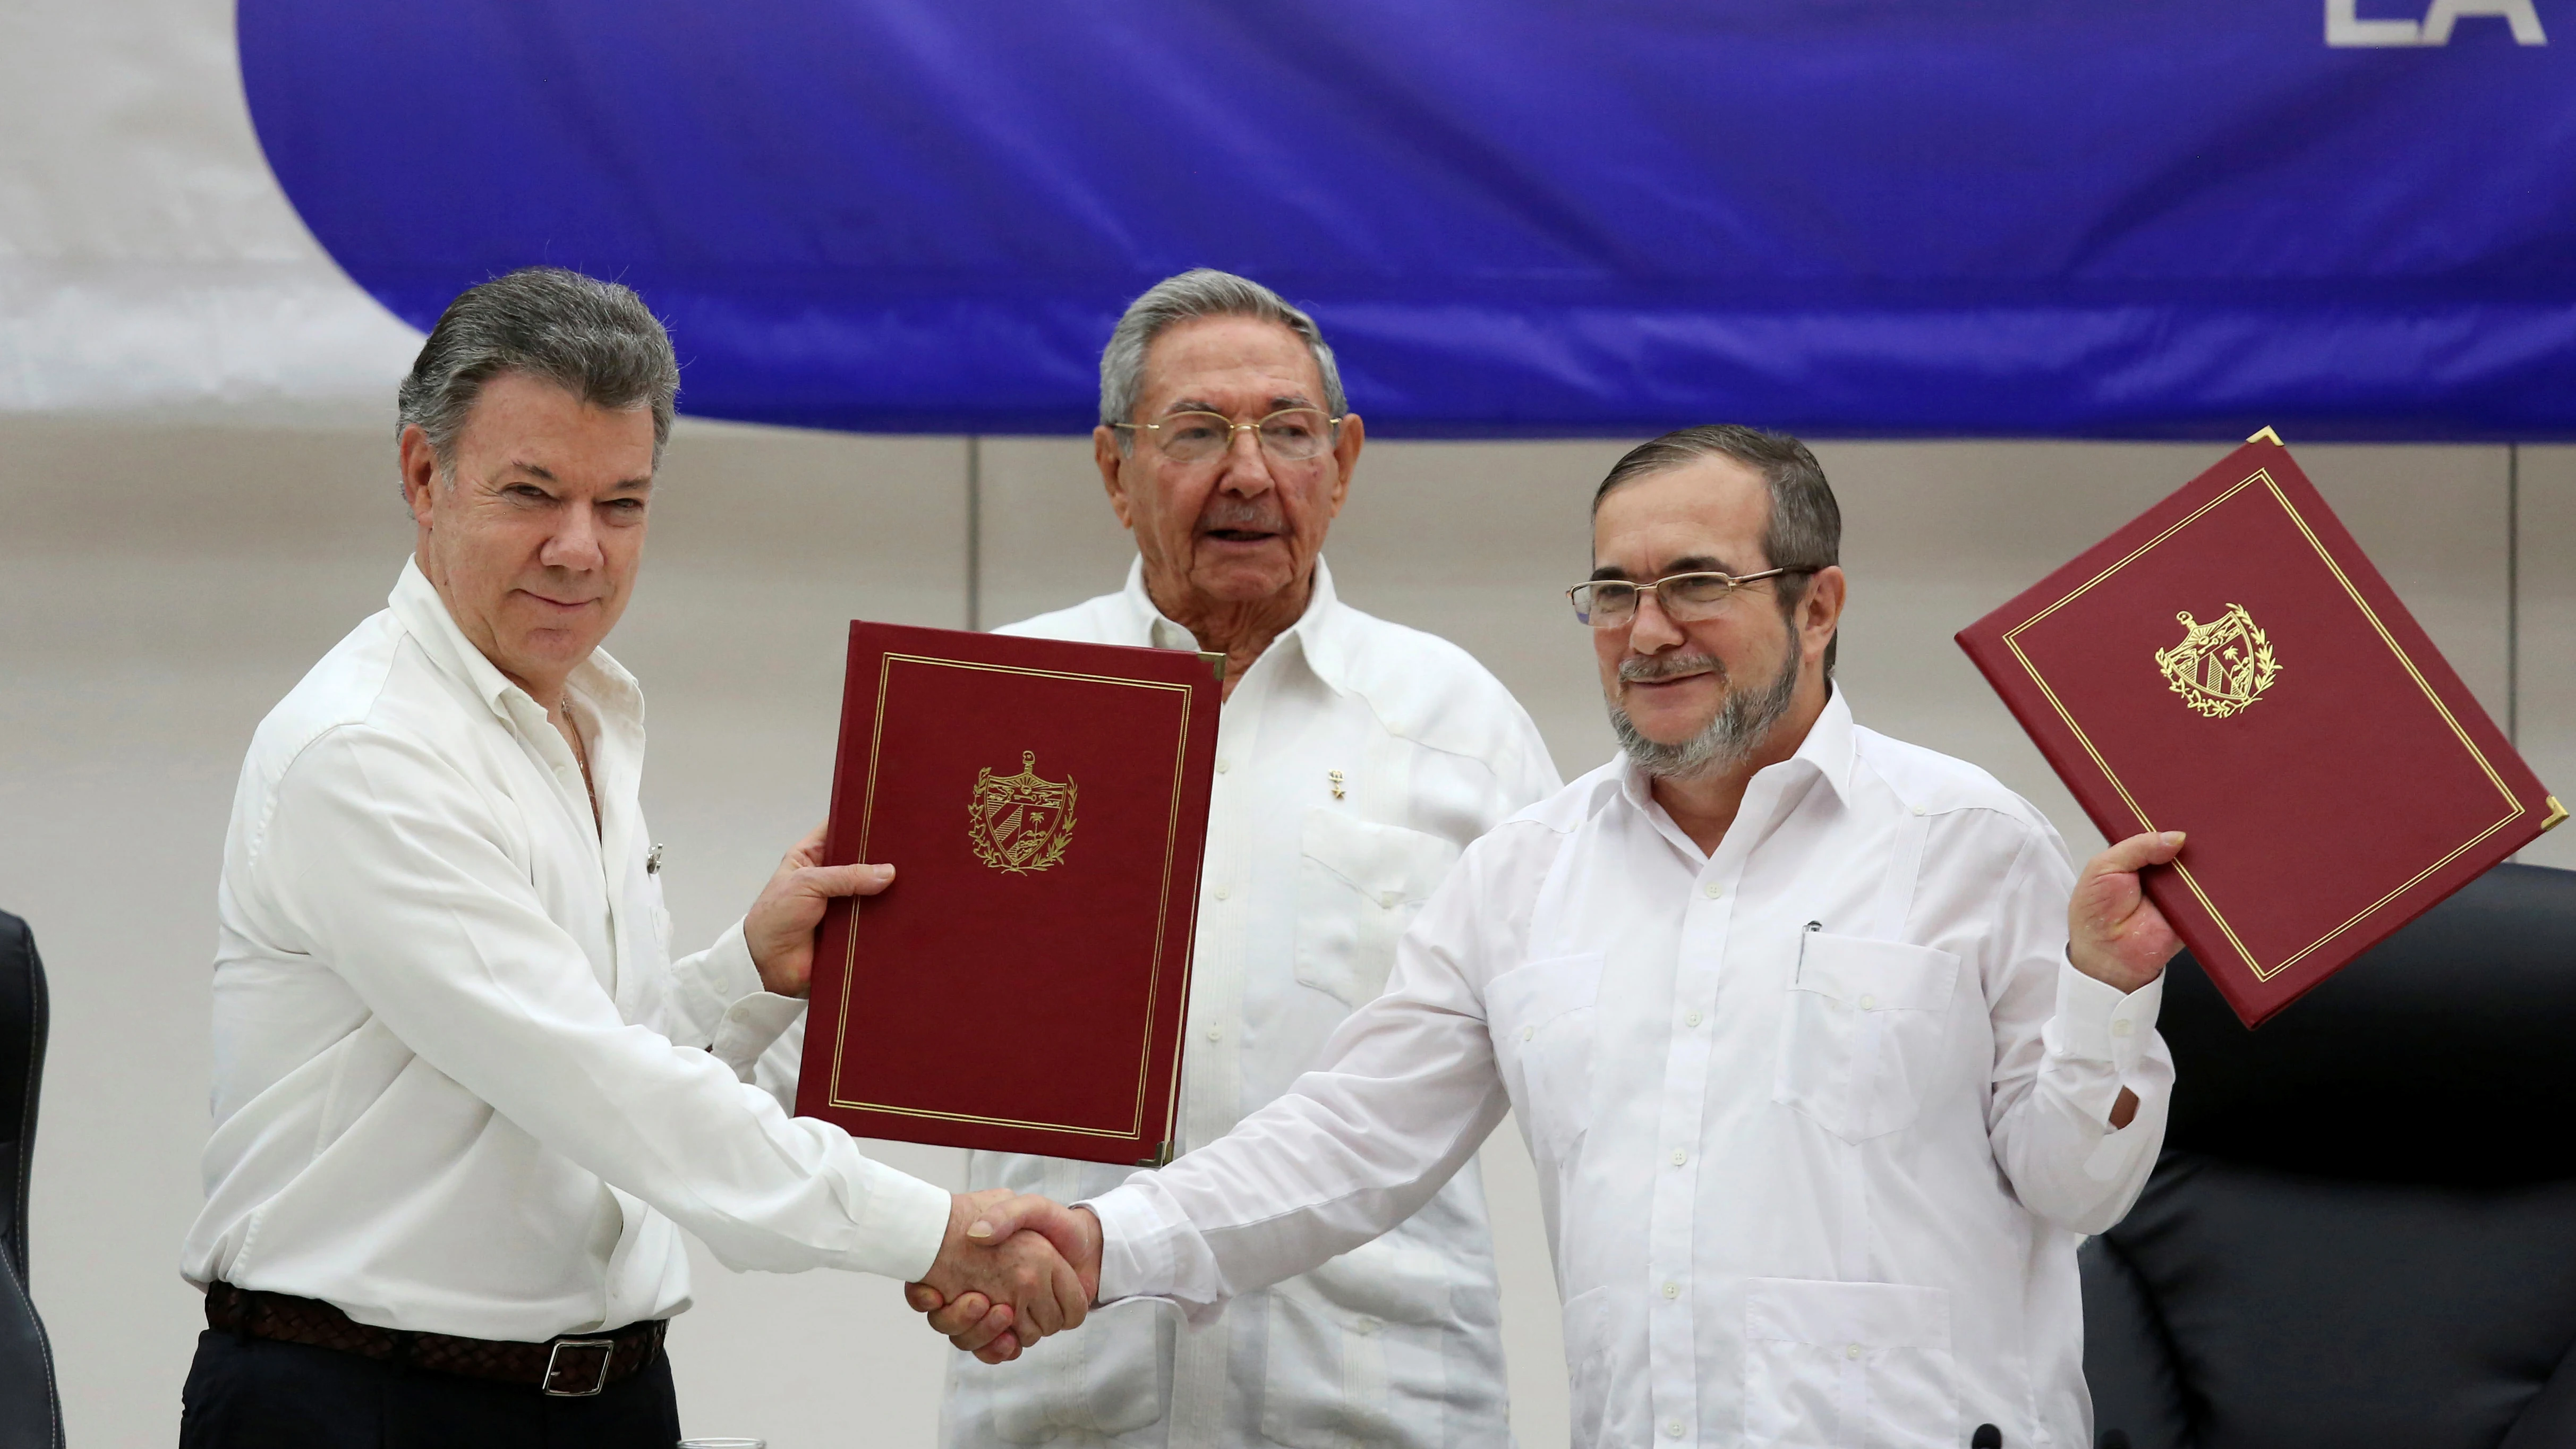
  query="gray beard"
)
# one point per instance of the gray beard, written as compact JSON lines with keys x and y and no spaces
{"x":1741,"y":725}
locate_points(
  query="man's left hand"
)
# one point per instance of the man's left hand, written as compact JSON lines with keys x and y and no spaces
{"x":2114,"y":934}
{"x":780,"y":927}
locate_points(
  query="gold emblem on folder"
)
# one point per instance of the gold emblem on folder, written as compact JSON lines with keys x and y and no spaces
{"x":2222,"y":666}
{"x":1020,"y":823}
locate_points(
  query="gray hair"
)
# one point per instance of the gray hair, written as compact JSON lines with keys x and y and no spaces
{"x":1201,"y":292}
{"x":596,"y":339}
{"x":1805,"y":530}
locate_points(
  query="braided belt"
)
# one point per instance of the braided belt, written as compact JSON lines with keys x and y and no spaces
{"x":567,"y":1368}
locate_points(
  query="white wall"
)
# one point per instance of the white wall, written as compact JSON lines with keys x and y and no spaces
{"x":161,"y":587}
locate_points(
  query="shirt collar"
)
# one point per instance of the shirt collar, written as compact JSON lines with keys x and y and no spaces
{"x":1828,"y":751}
{"x":1317,"y":634}
{"x":600,"y":679}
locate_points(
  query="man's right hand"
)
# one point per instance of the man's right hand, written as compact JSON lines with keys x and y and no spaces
{"x":982,"y":1325}
{"x":1014,"y":1280}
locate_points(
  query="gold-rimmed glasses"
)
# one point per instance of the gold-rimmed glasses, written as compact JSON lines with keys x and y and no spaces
{"x":1685,"y":598}
{"x":1290,"y":435}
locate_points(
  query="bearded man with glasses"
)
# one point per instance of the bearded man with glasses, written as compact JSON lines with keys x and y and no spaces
{"x":1355,"y":760}
{"x":1826,"y":1054}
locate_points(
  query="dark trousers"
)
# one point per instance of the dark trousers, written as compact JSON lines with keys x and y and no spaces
{"x":258,"y":1393}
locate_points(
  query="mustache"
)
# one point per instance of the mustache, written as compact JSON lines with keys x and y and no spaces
{"x":1739,"y":726}
{"x":1248,"y":515}
{"x":1669,"y":666}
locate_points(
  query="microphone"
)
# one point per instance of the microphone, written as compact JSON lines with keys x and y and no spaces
{"x":1986,"y":1437}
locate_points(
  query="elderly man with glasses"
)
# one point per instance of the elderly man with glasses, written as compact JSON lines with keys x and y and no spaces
{"x":1825,"y":1053}
{"x":1355,"y":760}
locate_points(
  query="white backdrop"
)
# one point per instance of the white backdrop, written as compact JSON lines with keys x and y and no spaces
{"x":196,"y":499}
{"x":147,"y":257}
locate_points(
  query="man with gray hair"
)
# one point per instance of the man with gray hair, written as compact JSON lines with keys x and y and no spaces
{"x":1355,"y":760}
{"x":1826,"y":1055}
{"x":464,"y":1100}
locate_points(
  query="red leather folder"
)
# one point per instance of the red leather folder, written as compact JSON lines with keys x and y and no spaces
{"x":1023,"y":983}
{"x":2231,"y":666}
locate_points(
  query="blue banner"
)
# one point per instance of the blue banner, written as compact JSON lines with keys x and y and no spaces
{"x":2143,"y":218}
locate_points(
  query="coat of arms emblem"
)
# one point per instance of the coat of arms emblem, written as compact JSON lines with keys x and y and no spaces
{"x":2222,"y":666}
{"x":1020,"y":823}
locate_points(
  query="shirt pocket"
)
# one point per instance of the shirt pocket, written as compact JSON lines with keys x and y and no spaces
{"x":1848,"y":1366}
{"x":1358,"y":886}
{"x":658,"y":911}
{"x":1862,"y":1032}
{"x":1110,"y":1376}
{"x":1356,"y":1350}
{"x":1604,"y":1344}
{"x":1541,"y":1019}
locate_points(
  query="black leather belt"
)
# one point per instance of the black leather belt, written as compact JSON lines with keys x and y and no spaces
{"x":569,"y":1367}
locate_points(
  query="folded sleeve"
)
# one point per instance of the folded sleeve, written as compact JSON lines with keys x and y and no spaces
{"x":2066,"y":1045}
{"x":383,"y":862}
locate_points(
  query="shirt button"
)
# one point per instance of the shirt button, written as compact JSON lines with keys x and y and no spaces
{"x":1216,"y":1033}
{"x":1673,"y":1429}
{"x":1364,"y":1325}
{"x":1712,"y":890}
{"x":2123,"y":1027}
{"x":1854,"y":1350}
{"x":1222,"y":893}
{"x":1680,"y":1157}
{"x":1224,"y":765}
{"x":1867,"y":1001}
{"x":1672,"y":1290}
{"x":1691,"y":1020}
{"x":1528,"y":1032}
{"x":1918,"y":809}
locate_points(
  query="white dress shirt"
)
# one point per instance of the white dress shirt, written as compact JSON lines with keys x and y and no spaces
{"x":1355,"y":759}
{"x":1818,"y":1117}
{"x":459,"y":1085}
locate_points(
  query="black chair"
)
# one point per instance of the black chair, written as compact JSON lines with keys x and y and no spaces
{"x":2363,"y":1229}
{"x":31,"y":1415}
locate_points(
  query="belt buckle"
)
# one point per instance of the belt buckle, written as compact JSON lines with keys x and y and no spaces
{"x":607,"y":1351}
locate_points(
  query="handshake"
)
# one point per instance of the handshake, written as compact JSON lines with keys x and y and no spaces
{"x":1012,"y":1269}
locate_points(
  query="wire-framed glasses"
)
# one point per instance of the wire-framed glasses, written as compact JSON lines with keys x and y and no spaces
{"x":1685,"y":598}
{"x":1290,"y":435}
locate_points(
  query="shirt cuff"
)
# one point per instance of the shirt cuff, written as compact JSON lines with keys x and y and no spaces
{"x":2096,"y":1022}
{"x":751,"y":1026}
{"x":728,"y":967}
{"x":902,"y":1226}
{"x":1135,"y":1253}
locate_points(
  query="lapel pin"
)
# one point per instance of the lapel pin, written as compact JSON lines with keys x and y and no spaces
{"x":653,"y":861}
{"x":1336,"y":777}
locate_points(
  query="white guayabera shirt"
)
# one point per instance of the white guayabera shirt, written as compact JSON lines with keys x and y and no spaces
{"x":1355,"y":759}
{"x":1818,"y":1117}
{"x":459,"y":1082}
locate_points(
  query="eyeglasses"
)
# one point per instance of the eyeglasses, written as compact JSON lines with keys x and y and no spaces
{"x":1686,"y":598}
{"x":1290,"y":435}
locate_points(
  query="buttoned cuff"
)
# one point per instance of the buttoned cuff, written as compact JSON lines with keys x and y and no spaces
{"x":728,"y":967}
{"x":2096,"y":1023}
{"x":1135,"y":1244}
{"x":751,"y":1026}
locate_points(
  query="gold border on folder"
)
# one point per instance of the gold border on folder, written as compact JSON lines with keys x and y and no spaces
{"x":2514,"y":807}
{"x":1162,"y":912}
{"x":2557,"y":815}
